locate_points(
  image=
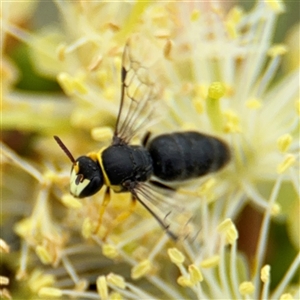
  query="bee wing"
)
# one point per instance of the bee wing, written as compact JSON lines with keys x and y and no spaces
{"x":138,"y":92}
{"x":163,"y":205}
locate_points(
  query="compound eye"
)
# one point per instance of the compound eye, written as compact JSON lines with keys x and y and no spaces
{"x":86,"y":177}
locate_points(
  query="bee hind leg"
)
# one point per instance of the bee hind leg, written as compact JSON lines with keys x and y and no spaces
{"x":146,"y":138}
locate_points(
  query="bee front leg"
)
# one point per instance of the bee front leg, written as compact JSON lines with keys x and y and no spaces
{"x":120,"y":218}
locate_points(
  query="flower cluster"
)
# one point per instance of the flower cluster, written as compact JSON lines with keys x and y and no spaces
{"x":218,"y":70}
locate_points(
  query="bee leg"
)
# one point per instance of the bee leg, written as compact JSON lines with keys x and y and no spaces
{"x":102,"y":208}
{"x":145,"y":138}
{"x":120,"y":218}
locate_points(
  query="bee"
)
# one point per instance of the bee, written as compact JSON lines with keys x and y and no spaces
{"x":141,"y":169}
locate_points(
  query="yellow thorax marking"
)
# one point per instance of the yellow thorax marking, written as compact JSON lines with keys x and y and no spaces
{"x":97,"y":156}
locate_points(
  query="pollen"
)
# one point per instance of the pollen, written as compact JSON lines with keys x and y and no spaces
{"x":246,"y":288}
{"x":195,"y":274}
{"x":210,"y":262}
{"x":287,"y":162}
{"x":50,"y":292}
{"x":141,"y":269}
{"x":116,"y":280}
{"x":176,"y":256}
{"x":277,"y":50}
{"x":265,"y":273}
{"x":102,"y":288}
{"x":110,"y":251}
{"x":71,"y":202}
{"x":284,"y":142}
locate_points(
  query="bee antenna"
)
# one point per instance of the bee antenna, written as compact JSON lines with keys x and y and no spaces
{"x":65,"y":149}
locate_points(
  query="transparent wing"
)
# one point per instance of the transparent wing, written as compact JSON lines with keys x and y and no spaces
{"x":175,"y":215}
{"x":138,"y":92}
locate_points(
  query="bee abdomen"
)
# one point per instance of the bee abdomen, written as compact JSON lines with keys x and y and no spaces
{"x":186,"y":155}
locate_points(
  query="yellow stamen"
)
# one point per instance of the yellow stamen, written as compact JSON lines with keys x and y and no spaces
{"x":87,"y":228}
{"x":276,"y":209}
{"x":235,"y":14}
{"x":115,"y":296}
{"x":61,"y":52}
{"x":71,"y":202}
{"x":50,"y":292}
{"x":210,"y":262}
{"x":102,"y":288}
{"x":195,"y":274}
{"x":3,"y":246}
{"x":176,"y":256}
{"x":71,"y":84}
{"x":195,"y":15}
{"x":253,"y":103}
{"x":116,"y":280}
{"x":185,"y":282}
{"x":44,"y":255}
{"x":141,"y":269}
{"x":102,"y":134}
{"x":276,"y":5}
{"x":4,"y":280}
{"x":284,"y":142}
{"x":168,"y":49}
{"x":198,"y":105}
{"x":288,"y":161}
{"x":39,"y":280}
{"x":298,"y":107}
{"x":246,"y":288}
{"x":277,"y":50}
{"x":228,"y":228}
{"x":286,"y":297}
{"x":231,"y":29}
{"x":265,"y":273}
{"x":231,"y":122}
{"x":110,"y":251}
{"x":215,"y":92}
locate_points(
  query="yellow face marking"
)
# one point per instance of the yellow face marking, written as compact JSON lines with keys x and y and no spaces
{"x":77,"y":187}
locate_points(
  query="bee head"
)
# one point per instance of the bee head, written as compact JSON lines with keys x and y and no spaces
{"x":86,"y":177}
{"x":86,"y":174}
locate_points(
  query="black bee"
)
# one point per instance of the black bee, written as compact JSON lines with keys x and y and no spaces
{"x":131,"y":168}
